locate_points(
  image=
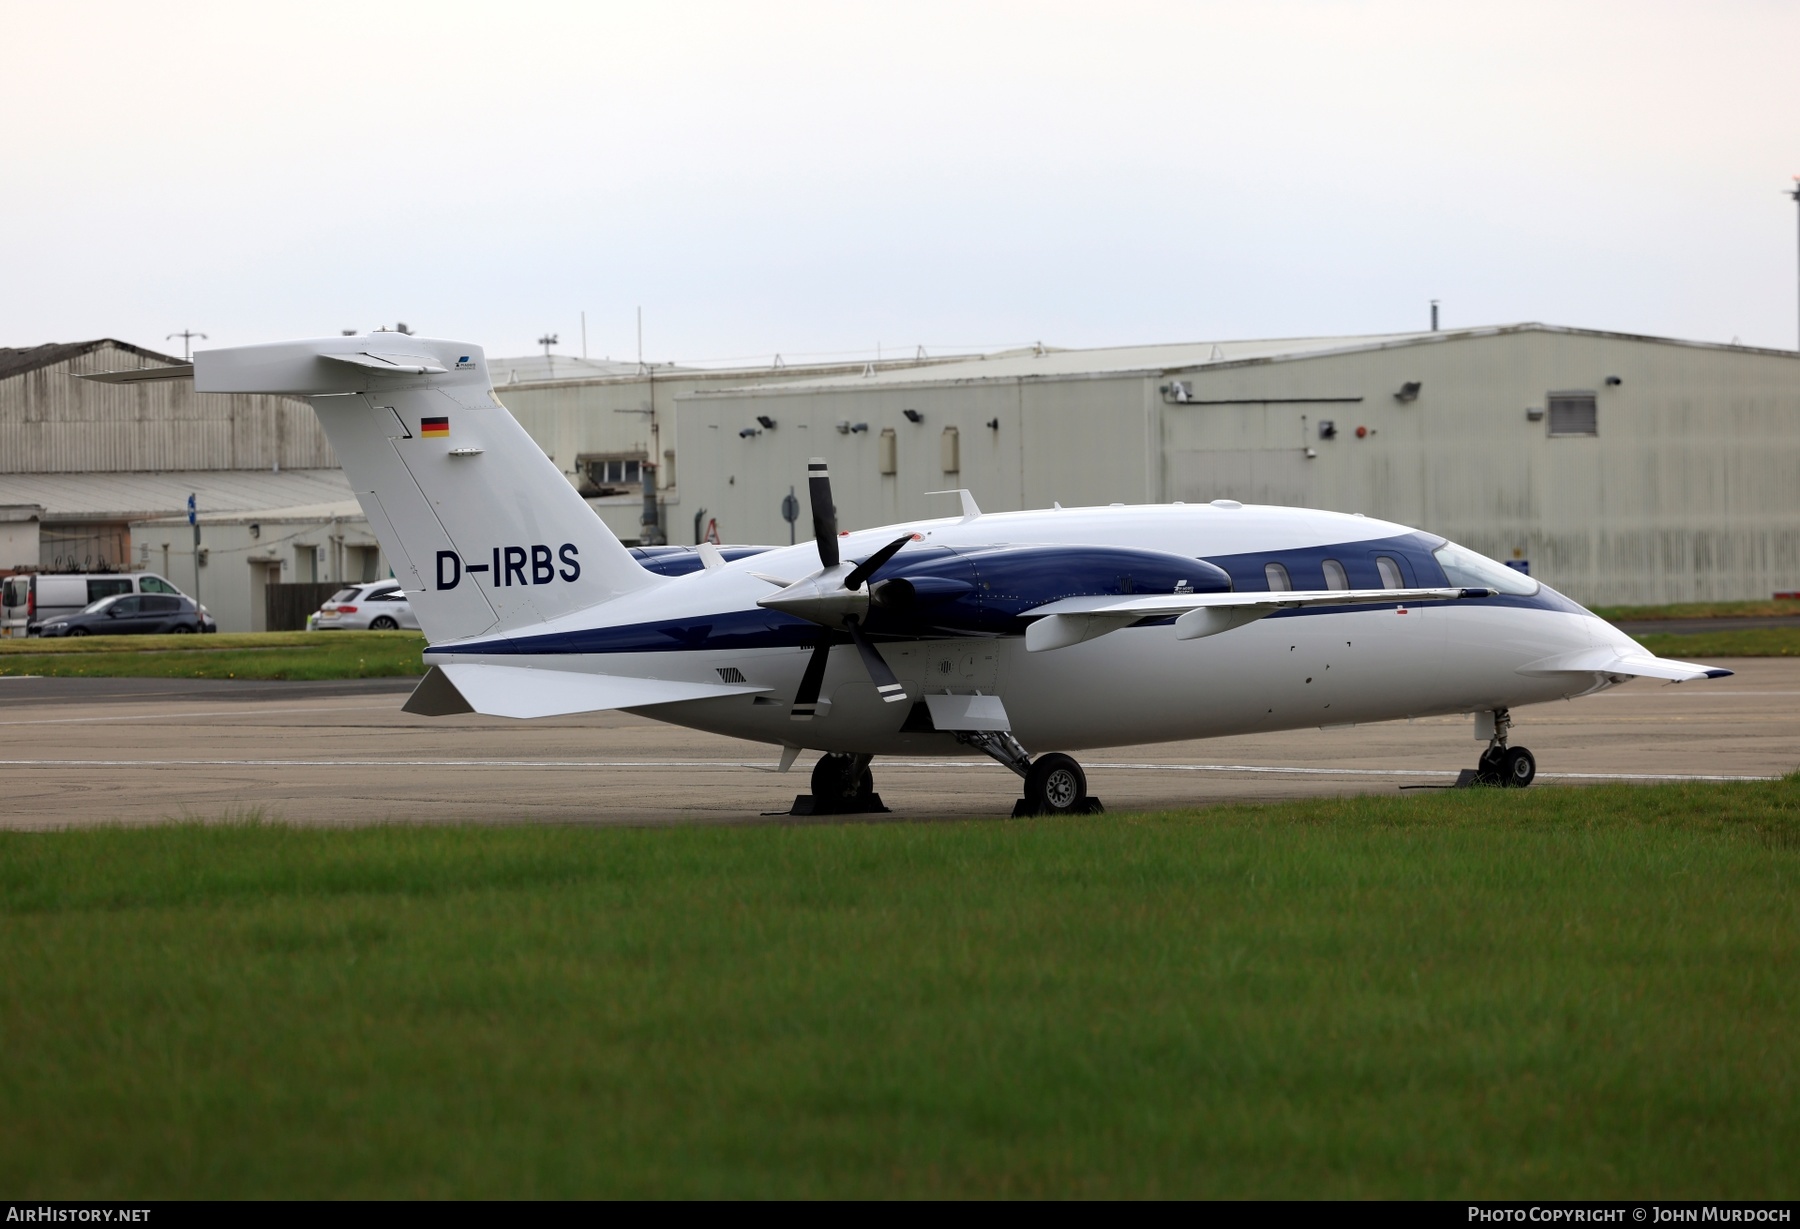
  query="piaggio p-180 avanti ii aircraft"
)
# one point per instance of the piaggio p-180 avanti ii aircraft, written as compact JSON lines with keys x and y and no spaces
{"x":1002,"y":634}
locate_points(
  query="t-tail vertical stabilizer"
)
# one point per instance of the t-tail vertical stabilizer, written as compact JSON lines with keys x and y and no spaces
{"x":485,"y":533}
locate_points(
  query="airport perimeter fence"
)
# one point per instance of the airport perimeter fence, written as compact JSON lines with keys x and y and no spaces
{"x":286,"y":606}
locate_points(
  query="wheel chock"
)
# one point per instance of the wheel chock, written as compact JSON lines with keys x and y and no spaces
{"x":1022,"y":809}
{"x":806,"y":804}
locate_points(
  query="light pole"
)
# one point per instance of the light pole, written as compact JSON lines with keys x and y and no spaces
{"x":546,"y":341}
{"x":1795,"y":193}
{"x":187,"y":336}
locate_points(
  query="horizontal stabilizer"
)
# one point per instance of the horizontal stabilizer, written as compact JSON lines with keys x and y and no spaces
{"x":1611,"y":661}
{"x":177,"y":371}
{"x":398,"y":364}
{"x":1074,"y":619}
{"x":520,"y":691}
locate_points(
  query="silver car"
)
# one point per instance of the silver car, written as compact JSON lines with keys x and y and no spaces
{"x":378,"y":606}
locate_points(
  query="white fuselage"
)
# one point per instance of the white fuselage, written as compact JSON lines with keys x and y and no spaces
{"x":1329,"y":667}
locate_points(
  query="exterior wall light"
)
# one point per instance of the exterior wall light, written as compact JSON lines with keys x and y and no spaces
{"x":768,"y":424}
{"x":913,"y":416}
{"x":1409,"y":391}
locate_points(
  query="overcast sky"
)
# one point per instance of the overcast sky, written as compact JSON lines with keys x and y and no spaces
{"x":819,"y":178}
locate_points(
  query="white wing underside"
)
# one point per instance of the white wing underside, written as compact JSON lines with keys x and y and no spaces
{"x":1075,"y":619}
{"x":521,"y":691}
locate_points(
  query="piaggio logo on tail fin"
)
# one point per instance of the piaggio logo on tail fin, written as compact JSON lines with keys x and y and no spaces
{"x":513,"y":565}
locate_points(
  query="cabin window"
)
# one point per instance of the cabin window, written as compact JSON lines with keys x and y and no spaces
{"x":1390,"y":573}
{"x":1277,"y":576}
{"x":1335,"y":576}
{"x":1574,"y":414}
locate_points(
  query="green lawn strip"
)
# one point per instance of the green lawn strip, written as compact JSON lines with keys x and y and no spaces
{"x":1549,"y":993}
{"x":1701,"y":610}
{"x":262,"y":655}
{"x":1703,"y":646}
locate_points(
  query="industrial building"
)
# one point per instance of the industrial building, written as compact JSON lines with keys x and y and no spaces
{"x":1618,"y":468}
{"x":97,"y":476}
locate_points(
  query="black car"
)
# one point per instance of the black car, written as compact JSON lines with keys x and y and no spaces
{"x":128,"y":613}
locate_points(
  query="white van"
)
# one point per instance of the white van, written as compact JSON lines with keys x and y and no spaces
{"x":26,"y":601}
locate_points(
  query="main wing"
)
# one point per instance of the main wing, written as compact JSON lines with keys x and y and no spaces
{"x":521,"y":691}
{"x":1072,"y":620}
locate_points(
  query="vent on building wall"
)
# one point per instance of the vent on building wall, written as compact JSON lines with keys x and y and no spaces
{"x":1573,"y":413}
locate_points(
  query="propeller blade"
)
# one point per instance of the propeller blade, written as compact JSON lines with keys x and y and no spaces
{"x":806,"y":700}
{"x":886,"y":685}
{"x":818,"y":486}
{"x":872,"y":564}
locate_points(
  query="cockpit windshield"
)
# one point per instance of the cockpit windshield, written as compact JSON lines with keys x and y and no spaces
{"x":1464,"y":567}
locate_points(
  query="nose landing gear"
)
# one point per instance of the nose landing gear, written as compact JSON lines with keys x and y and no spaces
{"x":1513,"y":767}
{"x":841,"y":785}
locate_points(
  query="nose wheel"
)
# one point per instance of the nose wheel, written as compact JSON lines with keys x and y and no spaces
{"x":841,"y":785}
{"x":1512,"y":767}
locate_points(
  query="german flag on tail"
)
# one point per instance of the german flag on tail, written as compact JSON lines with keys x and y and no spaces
{"x":434,"y":428}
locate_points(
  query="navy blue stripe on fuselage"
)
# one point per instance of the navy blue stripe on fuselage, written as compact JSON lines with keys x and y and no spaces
{"x":768,"y":629}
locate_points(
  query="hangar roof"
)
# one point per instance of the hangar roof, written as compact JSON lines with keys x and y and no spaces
{"x":337,"y":509}
{"x":144,"y":496}
{"x":1051,"y":363}
{"x":18,"y":361}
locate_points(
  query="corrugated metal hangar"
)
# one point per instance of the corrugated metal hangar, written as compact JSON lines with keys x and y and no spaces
{"x":1617,"y":468}
{"x":97,"y":476}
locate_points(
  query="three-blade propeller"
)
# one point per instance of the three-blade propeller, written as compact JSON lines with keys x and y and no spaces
{"x":837,"y":598}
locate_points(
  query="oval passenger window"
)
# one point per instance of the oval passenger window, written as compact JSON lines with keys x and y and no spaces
{"x":1277,"y":576}
{"x":1390,"y":573}
{"x":1335,"y":577}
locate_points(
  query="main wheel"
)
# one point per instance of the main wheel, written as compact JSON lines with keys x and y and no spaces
{"x":182,"y":627}
{"x":382,"y":623}
{"x":1518,"y":768}
{"x":840,"y":778}
{"x":1055,"y":785}
{"x":78,"y":631}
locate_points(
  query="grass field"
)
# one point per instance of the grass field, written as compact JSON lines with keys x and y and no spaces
{"x":1774,"y":607}
{"x":1704,"y":646}
{"x":1557,"y":992}
{"x":247,"y":655}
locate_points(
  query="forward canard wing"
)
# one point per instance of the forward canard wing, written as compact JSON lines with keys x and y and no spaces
{"x":1608,"y":660}
{"x":1072,"y":620}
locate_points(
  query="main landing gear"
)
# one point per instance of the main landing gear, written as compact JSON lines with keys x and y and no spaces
{"x":1514,"y":767}
{"x":1054,"y":783}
